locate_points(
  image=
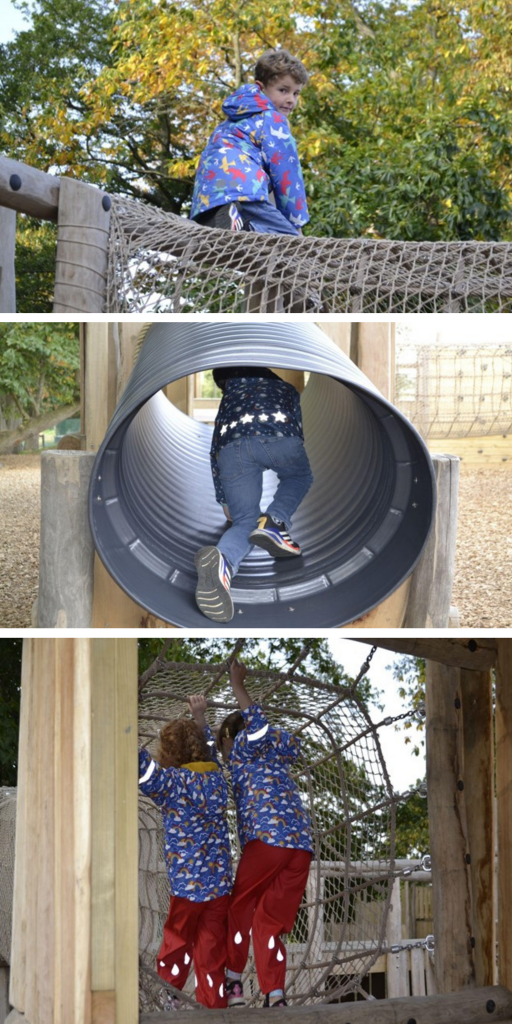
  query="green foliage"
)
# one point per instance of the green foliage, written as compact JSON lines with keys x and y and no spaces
{"x":412,"y":835}
{"x":410,"y":674}
{"x":10,"y":692}
{"x":404,"y":131}
{"x":39,"y":366}
{"x":36,"y":243}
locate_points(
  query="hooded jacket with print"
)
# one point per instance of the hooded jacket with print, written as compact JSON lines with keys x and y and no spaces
{"x":250,"y":154}
{"x":268,"y":801}
{"x":193,"y":801}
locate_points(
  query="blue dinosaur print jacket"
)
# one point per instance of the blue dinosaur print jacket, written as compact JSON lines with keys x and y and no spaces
{"x":268,"y":800}
{"x":248,"y":155}
{"x":193,"y":801}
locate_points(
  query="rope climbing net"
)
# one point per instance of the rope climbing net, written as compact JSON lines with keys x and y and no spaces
{"x":159,"y":262}
{"x":341,"y":928}
{"x":7,"y":848}
{"x":455,"y":390}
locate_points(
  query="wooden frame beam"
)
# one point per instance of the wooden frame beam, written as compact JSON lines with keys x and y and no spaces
{"x":478,"y":654}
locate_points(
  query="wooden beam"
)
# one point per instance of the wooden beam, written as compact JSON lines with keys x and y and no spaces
{"x":504,"y":807}
{"x":27,"y":190}
{"x":454,"y":966}
{"x":473,"y":1006}
{"x":479,"y":654}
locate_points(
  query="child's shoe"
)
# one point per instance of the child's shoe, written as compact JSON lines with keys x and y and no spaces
{"x":213,"y":586}
{"x":272,"y":536}
{"x":281,"y":1001}
{"x":235,"y":992}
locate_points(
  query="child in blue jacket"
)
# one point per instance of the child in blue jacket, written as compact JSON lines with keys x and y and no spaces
{"x":188,"y":785}
{"x":254,"y":153}
{"x":276,"y":840}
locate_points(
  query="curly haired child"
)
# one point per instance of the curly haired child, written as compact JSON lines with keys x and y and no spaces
{"x":253,"y":153}
{"x":188,"y":786}
{"x":276,"y":841}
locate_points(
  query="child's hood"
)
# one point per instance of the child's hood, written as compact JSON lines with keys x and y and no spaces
{"x":245,"y":102}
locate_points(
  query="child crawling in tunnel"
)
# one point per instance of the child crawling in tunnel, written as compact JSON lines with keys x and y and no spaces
{"x":258,"y":427}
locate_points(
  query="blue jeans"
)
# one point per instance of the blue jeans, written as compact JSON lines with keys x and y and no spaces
{"x":266,"y":219}
{"x":261,"y":216}
{"x":241,"y":466}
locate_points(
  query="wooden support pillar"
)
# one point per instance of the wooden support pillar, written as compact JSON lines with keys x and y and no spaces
{"x":375,"y":355}
{"x":430,"y":595}
{"x":77,"y":802}
{"x":397,"y":964}
{"x":448,"y":831}
{"x":504,"y":808}
{"x":7,"y":270}
{"x":82,"y":248}
{"x":476,"y":694}
{"x":344,"y":336}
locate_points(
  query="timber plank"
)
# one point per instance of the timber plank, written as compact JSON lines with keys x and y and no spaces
{"x":466,"y":1007}
{"x":478,"y":654}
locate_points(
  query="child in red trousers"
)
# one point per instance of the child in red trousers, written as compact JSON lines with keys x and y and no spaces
{"x":189,"y":787}
{"x":276,"y":841}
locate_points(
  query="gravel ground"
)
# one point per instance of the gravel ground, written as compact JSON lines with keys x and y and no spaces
{"x":483,"y":580}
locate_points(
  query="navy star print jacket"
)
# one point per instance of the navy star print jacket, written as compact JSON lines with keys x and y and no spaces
{"x":248,"y":155}
{"x":254,"y":406}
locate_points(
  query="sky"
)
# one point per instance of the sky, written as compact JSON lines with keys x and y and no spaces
{"x":458,"y":329}
{"x":404,"y":768}
{"x":12,"y":21}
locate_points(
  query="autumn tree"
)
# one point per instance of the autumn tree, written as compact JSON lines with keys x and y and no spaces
{"x":404,"y":131}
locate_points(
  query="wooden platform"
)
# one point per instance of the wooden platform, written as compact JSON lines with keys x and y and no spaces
{"x":473,"y":1006}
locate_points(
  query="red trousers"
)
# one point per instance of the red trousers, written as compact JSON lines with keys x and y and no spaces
{"x":196,"y":931}
{"x":269,"y":885}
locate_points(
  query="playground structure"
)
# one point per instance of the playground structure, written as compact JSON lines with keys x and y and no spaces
{"x":76,"y":937}
{"x":363,"y":525}
{"x":118,"y":255}
{"x":422,"y":599}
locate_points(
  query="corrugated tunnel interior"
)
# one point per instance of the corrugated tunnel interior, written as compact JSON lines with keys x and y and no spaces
{"x":362,"y":526}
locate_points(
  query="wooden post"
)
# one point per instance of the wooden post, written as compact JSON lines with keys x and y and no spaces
{"x":504,"y":806}
{"x":397,"y":967}
{"x":77,"y":812}
{"x":430,"y":593}
{"x":448,"y":835}
{"x":343,"y":334}
{"x":375,"y":355}
{"x":66,"y":562}
{"x":82,"y":248}
{"x":108,"y":354}
{"x":7,"y":271}
{"x":476,"y":693}
{"x":99,"y":369}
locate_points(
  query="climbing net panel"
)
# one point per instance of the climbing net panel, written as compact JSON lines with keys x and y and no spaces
{"x":162,"y":263}
{"x":341,"y":926}
{"x":7,"y":849}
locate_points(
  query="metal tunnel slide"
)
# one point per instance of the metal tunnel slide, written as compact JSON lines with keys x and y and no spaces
{"x":362,"y":526}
